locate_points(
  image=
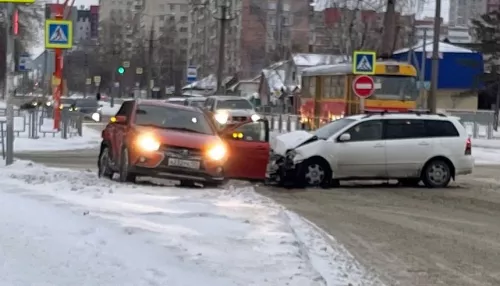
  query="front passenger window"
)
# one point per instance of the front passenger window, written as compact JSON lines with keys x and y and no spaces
{"x":254,"y":131}
{"x":366,"y":131}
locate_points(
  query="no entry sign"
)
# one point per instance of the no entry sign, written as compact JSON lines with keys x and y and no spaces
{"x":363,"y":86}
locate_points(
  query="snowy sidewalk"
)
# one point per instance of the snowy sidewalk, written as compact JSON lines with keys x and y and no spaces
{"x":65,"y":227}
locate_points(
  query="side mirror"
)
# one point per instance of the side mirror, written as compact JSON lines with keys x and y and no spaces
{"x":345,"y":137}
{"x":119,"y":119}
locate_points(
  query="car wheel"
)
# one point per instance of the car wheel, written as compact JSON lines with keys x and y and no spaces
{"x":187,"y":184}
{"x":104,"y":171}
{"x":125,"y":176}
{"x":409,"y":182}
{"x":215,"y":184}
{"x":315,"y":173}
{"x":436,"y":174}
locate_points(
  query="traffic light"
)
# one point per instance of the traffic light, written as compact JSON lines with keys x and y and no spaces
{"x":121,"y":70}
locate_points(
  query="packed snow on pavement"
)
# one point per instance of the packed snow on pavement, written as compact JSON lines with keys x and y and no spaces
{"x":67,"y":227}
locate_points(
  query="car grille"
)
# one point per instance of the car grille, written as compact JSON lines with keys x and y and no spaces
{"x":239,"y":118}
{"x":182,"y":152}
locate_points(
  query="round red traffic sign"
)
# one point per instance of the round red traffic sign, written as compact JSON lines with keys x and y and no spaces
{"x":363,"y":86}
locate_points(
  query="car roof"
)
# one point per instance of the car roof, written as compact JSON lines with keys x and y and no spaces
{"x":196,"y":98}
{"x":176,"y":98}
{"x":399,"y":115}
{"x":227,"y":97}
{"x":166,"y":104}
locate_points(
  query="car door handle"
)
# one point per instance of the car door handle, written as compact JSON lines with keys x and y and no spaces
{"x":424,"y":144}
{"x":378,"y":146}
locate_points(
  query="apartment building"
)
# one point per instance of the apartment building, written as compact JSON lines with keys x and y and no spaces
{"x":123,"y":17}
{"x":168,"y":17}
{"x":461,"y":11}
{"x":455,"y":34}
{"x":86,"y":25}
{"x":251,"y":34}
{"x":331,"y":31}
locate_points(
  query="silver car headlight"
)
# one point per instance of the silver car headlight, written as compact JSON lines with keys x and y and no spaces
{"x":255,"y":117}
{"x":221,"y":117}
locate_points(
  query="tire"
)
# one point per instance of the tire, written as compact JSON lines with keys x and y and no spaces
{"x":409,"y":182}
{"x":104,"y":171}
{"x":214,"y":184}
{"x":315,"y":173}
{"x":187,"y":184}
{"x":125,"y":176}
{"x":436,"y":174}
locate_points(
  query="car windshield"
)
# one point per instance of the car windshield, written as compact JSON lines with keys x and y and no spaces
{"x":86,"y":103}
{"x":395,"y":88}
{"x":234,"y":104}
{"x":197,"y":102}
{"x":328,"y":130}
{"x":67,"y":101}
{"x":172,"y":118}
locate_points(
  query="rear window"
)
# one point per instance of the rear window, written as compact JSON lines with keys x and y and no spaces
{"x":441,"y":128}
{"x":87,"y":103}
{"x":173,"y":118}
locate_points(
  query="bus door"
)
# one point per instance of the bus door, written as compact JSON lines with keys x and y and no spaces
{"x":317,"y":100}
{"x":352,"y":100}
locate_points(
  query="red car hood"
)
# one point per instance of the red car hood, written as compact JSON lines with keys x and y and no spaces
{"x":183,"y":139}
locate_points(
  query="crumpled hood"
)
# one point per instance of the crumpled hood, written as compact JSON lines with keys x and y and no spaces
{"x":238,"y":112}
{"x":291,"y":140}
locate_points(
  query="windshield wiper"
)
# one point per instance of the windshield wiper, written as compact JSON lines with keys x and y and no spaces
{"x":184,"y":129}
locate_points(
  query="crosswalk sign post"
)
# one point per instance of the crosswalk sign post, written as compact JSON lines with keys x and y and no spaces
{"x":364,"y":62}
{"x":58,"y":34}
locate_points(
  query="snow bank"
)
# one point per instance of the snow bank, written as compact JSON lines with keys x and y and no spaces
{"x":64,"y":227}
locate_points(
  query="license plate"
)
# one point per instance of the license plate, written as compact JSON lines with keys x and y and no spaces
{"x":183,"y":163}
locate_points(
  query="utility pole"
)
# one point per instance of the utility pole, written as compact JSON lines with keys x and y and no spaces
{"x":224,"y":6}
{"x":432,"y":100}
{"x":423,"y":100}
{"x":86,"y":65}
{"x":150,"y":59}
{"x":388,"y":36}
{"x":9,"y":84}
{"x":279,"y":32}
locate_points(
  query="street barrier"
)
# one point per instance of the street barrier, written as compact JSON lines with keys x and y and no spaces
{"x":479,"y":123}
{"x":33,"y":121}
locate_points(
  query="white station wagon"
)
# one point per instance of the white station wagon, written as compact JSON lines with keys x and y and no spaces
{"x":409,"y":147}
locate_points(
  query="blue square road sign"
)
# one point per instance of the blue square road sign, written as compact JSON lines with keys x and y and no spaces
{"x":364,"y":62}
{"x":58,"y":34}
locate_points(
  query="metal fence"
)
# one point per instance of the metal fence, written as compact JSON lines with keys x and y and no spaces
{"x":479,"y":123}
{"x":31,"y":124}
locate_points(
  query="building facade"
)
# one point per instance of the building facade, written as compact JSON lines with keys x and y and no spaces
{"x":258,"y":32}
{"x":339,"y":31}
{"x":461,"y":11}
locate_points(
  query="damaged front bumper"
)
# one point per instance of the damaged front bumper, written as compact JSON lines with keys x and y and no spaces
{"x":281,"y":170}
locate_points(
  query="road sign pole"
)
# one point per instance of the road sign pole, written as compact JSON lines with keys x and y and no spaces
{"x":9,"y":86}
{"x":58,"y":74}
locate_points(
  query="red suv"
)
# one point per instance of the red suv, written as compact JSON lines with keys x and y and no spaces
{"x":158,"y":139}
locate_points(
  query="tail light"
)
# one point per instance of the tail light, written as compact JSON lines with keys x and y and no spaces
{"x":468,"y":147}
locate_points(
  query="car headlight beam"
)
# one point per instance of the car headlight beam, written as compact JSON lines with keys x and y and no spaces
{"x":222,"y":118}
{"x":217,"y":153}
{"x":148,"y":143}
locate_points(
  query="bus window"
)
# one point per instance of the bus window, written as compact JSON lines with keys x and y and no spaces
{"x":395,"y":88}
{"x":328,"y":92}
{"x":305,"y":87}
{"x":312,"y":86}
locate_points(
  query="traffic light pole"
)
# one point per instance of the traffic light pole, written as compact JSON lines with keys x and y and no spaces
{"x":9,"y":85}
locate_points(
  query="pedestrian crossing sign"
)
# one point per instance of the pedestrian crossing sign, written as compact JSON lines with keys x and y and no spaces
{"x":364,"y":62}
{"x":58,"y":34}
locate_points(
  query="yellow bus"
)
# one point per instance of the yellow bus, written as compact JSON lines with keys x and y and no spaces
{"x":327,"y":92}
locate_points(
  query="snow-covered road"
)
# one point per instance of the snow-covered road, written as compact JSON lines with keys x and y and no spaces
{"x":67,"y":227}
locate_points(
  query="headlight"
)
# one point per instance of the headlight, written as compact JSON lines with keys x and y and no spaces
{"x":96,"y":117}
{"x":148,"y":143}
{"x":48,"y":103}
{"x":255,"y":117}
{"x":222,"y":118}
{"x":61,"y":106}
{"x":217,"y":153}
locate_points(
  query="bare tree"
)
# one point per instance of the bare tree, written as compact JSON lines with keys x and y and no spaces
{"x":357,"y":25}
